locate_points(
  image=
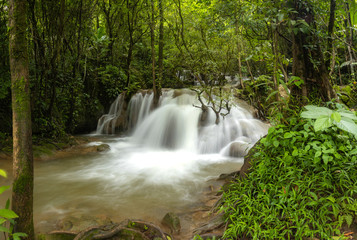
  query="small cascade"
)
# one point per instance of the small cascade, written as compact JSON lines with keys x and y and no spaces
{"x":176,"y":124}
{"x":108,"y":123}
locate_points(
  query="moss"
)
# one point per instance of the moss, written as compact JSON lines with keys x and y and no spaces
{"x":20,"y":186}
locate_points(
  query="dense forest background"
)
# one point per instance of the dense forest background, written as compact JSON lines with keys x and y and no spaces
{"x":83,"y":53}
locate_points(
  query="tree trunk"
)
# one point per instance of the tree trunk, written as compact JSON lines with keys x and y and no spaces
{"x":22,"y":192}
{"x":331,"y":25}
{"x":315,"y":75}
{"x":152,"y":35}
{"x":161,"y":42}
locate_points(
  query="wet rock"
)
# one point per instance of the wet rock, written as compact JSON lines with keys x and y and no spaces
{"x":227,"y":177}
{"x":59,"y":235}
{"x":103,"y":147}
{"x":172,"y":221}
{"x":129,"y":229}
{"x":247,"y":160}
{"x":213,"y":224}
{"x":239,"y":149}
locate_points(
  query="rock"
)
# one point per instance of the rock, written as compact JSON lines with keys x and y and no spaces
{"x":228,"y":177}
{"x":172,"y":221}
{"x":60,"y":235}
{"x":247,"y":160}
{"x":103,"y":147}
{"x":128,"y":229}
{"x":239,"y":149}
{"x":217,"y":222}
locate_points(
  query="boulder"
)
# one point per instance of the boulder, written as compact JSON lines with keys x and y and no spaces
{"x":239,"y":149}
{"x":172,"y":221}
{"x":103,"y":147}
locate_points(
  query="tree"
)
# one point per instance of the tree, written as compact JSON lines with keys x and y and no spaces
{"x":22,"y":192}
{"x":308,"y":60}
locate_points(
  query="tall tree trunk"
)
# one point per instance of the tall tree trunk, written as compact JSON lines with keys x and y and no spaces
{"x":349,"y":38}
{"x":331,"y":25}
{"x":22,"y":191}
{"x":161,"y":43}
{"x":152,"y":35}
{"x":314,"y":77}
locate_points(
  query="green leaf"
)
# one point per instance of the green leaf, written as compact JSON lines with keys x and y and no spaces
{"x":4,"y":229}
{"x":276,"y":143}
{"x":348,"y":219}
{"x":316,"y":112}
{"x":348,"y":126}
{"x":17,"y":236}
{"x":280,"y":16}
{"x":313,"y":195}
{"x":3,"y":189}
{"x":336,"y":116}
{"x":348,"y":114}
{"x":3,"y":173}
{"x":288,"y":135}
{"x":323,"y":122}
{"x":6,"y":213}
{"x":354,"y":151}
{"x":295,"y":153}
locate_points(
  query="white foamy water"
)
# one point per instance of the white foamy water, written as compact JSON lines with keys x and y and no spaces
{"x":165,"y":162}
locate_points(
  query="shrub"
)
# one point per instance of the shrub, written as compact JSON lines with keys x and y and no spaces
{"x":302,"y":184}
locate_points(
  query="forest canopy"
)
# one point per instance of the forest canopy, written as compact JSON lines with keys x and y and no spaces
{"x":84,"y":53}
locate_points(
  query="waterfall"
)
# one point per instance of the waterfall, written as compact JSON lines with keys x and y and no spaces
{"x":176,"y":124}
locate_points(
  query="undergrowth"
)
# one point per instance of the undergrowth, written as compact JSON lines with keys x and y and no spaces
{"x":302,"y":185}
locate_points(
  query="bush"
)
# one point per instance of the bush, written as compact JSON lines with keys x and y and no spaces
{"x":302,"y":184}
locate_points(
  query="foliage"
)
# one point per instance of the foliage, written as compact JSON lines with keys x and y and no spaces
{"x":326,"y":118}
{"x":302,"y":184}
{"x":7,"y":216}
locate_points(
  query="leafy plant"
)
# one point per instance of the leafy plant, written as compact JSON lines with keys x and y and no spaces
{"x":326,"y":118}
{"x":7,"y":216}
{"x":302,"y":185}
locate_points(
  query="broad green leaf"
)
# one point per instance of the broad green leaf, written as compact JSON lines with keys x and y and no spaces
{"x":322,"y":123}
{"x":6,"y":213}
{"x":295,"y":153}
{"x":3,"y":173}
{"x":348,"y":114}
{"x":318,"y":154}
{"x":3,"y":189}
{"x":288,"y":135}
{"x":276,"y":143}
{"x":348,"y":126}
{"x":336,"y":116}
{"x":315,"y":112}
{"x":4,"y":229}
{"x":354,"y":151}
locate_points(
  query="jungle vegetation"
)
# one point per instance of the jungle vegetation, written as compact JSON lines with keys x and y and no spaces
{"x":283,"y":55}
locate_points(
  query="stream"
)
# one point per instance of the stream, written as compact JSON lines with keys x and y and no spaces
{"x":169,"y":156}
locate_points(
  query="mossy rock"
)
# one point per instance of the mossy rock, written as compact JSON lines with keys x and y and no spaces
{"x":172,"y":221}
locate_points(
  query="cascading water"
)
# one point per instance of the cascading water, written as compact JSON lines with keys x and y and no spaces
{"x":172,"y":154}
{"x":177,"y":124}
